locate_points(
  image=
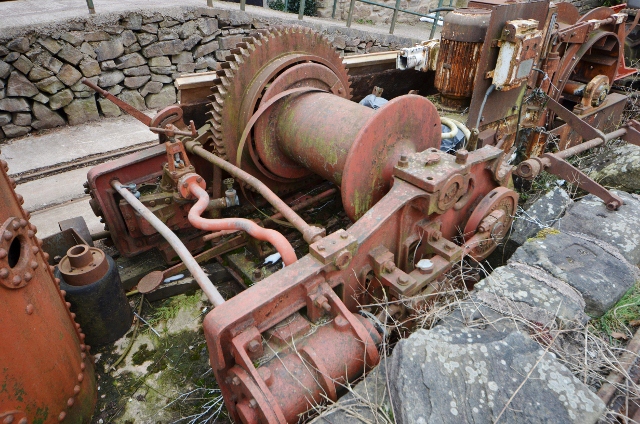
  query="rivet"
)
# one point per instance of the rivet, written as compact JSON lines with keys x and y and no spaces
{"x":77,"y":325}
{"x":254,"y":346}
{"x":76,"y":390}
{"x":63,"y":293}
{"x":253,"y":403}
{"x":20,"y":198}
{"x":27,"y":214}
{"x":52,"y":268}
{"x":16,"y":280}
{"x":344,"y":236}
{"x":27,"y":276}
{"x":68,"y":304}
{"x":80,"y":377}
{"x":23,"y":421}
{"x":82,"y":347}
{"x":35,"y":249}
{"x":39,"y":242}
{"x":15,"y":225}
{"x":33,"y":228}
{"x":73,"y":316}
{"x":4,"y":273}
{"x":152,"y":203}
{"x":82,"y":366}
{"x":30,"y":233}
{"x":83,"y":355}
{"x":3,"y":253}
{"x":8,"y":235}
{"x":46,"y":257}
{"x":235,"y":381}
{"x":23,"y":223}
{"x":29,"y":309}
{"x":62,"y":416}
{"x":8,"y":419}
{"x":70,"y":402}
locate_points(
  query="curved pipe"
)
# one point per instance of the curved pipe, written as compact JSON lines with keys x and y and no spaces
{"x":278,"y":241}
{"x":309,"y":232}
{"x":196,"y":271}
{"x":452,"y":127}
{"x":462,"y":127}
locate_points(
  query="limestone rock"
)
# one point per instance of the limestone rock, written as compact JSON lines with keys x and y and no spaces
{"x":339,"y":42}
{"x":168,"y":23}
{"x":69,"y":75}
{"x":206,"y":49}
{"x":49,"y":62}
{"x":161,"y":78}
{"x":229,"y":42}
{"x":50,"y":85}
{"x":75,"y":38}
{"x":595,"y":270}
{"x":50,"y":44}
{"x":135,"y":47}
{"x":109,"y":49}
{"x":108,"y":65}
{"x":80,"y":111}
{"x":96,"y":36}
{"x":11,"y":130}
{"x":145,"y":39}
{"x":108,"y":79}
{"x":183,"y":57}
{"x":166,"y":97}
{"x":21,"y":118}
{"x":3,"y":50}
{"x":61,"y":99}
{"x":23,"y":64}
{"x":45,"y":117}
{"x":14,"y":105}
{"x":191,"y":42}
{"x":165,"y":34}
{"x":163,"y":70}
{"x":133,"y":22}
{"x":5,"y":118}
{"x":80,"y":87}
{"x":90,"y":67}
{"x":11,"y":57}
{"x":20,"y":86}
{"x":521,"y":289}
{"x":150,"y":28}
{"x":20,"y":45}
{"x":159,"y":61}
{"x":108,"y":109}
{"x":130,"y":61}
{"x":5,"y":69}
{"x":619,"y":168}
{"x":137,"y":71}
{"x":88,"y":51}
{"x":152,"y":87}
{"x":133,"y":98}
{"x":37,"y":73}
{"x":470,"y":375}
{"x":163,"y":48}
{"x":543,"y":213}
{"x":619,"y":228}
{"x":186,"y":68}
{"x":41,"y":98}
{"x":136,"y":82}
{"x":115,"y":90}
{"x":70,"y":54}
{"x":128,"y":37}
{"x":208,"y":26}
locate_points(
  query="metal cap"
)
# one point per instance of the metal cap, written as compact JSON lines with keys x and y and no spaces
{"x":83,"y":265}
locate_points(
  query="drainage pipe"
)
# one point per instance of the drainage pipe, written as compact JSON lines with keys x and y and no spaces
{"x":278,"y":241}
{"x":196,"y":271}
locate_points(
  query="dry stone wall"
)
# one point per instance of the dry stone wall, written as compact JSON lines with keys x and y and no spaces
{"x":135,"y":56}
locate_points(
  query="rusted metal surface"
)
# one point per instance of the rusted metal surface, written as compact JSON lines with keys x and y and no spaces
{"x":47,"y":372}
{"x":83,"y":265}
{"x":461,"y":44}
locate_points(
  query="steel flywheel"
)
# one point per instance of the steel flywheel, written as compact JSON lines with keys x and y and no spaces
{"x":261,"y":67}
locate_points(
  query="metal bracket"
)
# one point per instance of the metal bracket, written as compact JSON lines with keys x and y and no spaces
{"x":586,"y":131}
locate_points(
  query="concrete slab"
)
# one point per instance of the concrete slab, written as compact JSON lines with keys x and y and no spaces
{"x":67,"y":144}
{"x":54,"y":190}
{"x":47,"y":220}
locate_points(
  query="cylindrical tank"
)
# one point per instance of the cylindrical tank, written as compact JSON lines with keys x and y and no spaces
{"x":463,"y":34}
{"x":47,"y":373}
{"x":91,"y":280}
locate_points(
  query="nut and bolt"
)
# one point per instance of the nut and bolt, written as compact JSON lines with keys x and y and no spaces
{"x":344,"y":236}
{"x":432,"y":159}
{"x":253,"y":404}
{"x":425,"y":266}
{"x":257,"y":273}
{"x":461,"y":156}
{"x":403,"y":280}
{"x":254,"y":346}
{"x":152,"y":203}
{"x":403,"y":162}
{"x":436,"y":235}
{"x":321,"y":247}
{"x":389,"y":266}
{"x":235,"y":381}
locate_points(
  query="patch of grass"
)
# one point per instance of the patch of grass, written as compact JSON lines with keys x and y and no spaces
{"x":364,"y":21}
{"x":542,"y":234}
{"x":169,"y":308}
{"x":618,"y":318}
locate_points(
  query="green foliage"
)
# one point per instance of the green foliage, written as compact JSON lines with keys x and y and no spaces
{"x":292,"y":6}
{"x":364,"y":21}
{"x":169,"y":308}
{"x":618,"y":318}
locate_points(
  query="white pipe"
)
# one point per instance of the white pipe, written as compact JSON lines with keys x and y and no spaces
{"x":196,"y":271}
{"x":463,"y":128}
{"x":452,"y":126}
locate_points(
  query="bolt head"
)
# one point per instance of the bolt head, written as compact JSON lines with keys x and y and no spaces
{"x":29,"y":309}
{"x":235,"y":381}
{"x":8,"y":235}
{"x":344,"y":236}
{"x":253,"y":403}
{"x":4,"y":273}
{"x":254,"y":346}
{"x":403,"y":280}
{"x":321,"y":247}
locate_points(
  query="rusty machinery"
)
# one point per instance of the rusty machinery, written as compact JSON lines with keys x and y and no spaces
{"x":46,"y":376}
{"x":280,"y":121}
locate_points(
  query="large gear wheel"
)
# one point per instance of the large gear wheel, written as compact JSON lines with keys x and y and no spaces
{"x":260,"y":67}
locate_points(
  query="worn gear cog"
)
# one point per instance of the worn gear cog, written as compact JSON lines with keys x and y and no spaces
{"x":282,"y":57}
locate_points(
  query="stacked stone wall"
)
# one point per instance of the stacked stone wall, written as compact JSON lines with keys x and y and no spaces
{"x":135,"y":56}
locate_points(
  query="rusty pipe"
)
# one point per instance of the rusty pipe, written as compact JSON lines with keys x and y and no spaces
{"x":196,"y":271}
{"x":278,"y":241}
{"x":309,"y":232}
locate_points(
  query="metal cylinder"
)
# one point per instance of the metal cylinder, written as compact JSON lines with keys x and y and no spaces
{"x":463,"y":34}
{"x":47,"y":374}
{"x":93,"y":286}
{"x":351,"y":145}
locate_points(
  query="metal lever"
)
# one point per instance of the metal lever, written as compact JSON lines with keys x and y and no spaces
{"x":121,"y":104}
